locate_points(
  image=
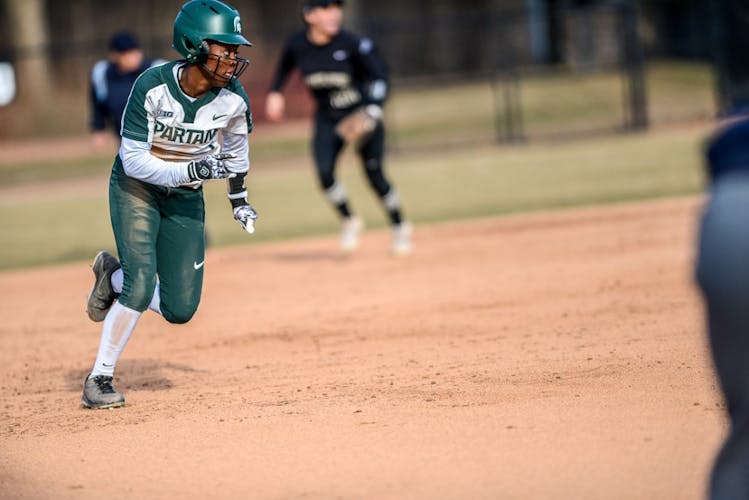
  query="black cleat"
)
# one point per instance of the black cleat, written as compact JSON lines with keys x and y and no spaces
{"x":102,"y":295}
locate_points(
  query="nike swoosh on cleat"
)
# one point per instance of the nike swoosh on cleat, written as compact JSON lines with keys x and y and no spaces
{"x":197,"y":266}
{"x":216,"y":117}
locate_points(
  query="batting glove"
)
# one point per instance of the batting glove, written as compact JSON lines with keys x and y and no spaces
{"x":246,"y":216}
{"x":209,"y":167}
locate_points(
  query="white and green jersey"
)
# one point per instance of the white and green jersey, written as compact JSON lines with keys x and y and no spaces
{"x":163,"y":129}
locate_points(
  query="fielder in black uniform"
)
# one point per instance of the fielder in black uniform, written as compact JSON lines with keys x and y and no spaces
{"x":723,"y":275}
{"x":349,"y":82}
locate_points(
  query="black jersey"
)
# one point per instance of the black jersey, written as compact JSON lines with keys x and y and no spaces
{"x":342,"y":75}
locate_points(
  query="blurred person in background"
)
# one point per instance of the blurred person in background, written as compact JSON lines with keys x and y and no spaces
{"x":349,"y":83}
{"x":186,"y":122}
{"x":7,"y":83}
{"x":723,"y":276}
{"x":111,"y":82}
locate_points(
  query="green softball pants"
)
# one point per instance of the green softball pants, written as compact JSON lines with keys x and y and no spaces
{"x":160,"y":232}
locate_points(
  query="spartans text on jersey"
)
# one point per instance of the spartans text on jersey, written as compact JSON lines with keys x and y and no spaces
{"x":182,"y":135}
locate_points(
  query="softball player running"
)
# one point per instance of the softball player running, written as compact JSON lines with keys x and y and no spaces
{"x":349,"y":82}
{"x":170,"y":146}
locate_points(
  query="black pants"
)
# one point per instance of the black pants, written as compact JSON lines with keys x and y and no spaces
{"x":723,"y":275}
{"x":327,"y":145}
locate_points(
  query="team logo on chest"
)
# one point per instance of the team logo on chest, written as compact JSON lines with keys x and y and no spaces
{"x":340,"y":55}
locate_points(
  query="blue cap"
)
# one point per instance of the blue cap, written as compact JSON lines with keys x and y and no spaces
{"x":311,"y":4}
{"x":739,"y":109}
{"x":122,"y":42}
{"x":729,"y":149}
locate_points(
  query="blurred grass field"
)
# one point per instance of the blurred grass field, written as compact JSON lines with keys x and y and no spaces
{"x":68,"y":219}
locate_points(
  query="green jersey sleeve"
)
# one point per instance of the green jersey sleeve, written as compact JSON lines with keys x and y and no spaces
{"x":241,"y":124}
{"x":138,"y":118}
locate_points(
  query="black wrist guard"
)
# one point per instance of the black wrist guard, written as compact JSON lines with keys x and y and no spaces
{"x":237,"y":191}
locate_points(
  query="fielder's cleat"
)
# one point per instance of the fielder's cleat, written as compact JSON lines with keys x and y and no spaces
{"x":351,"y":229}
{"x":98,"y":393}
{"x":401,"y":244}
{"x":102,"y":295}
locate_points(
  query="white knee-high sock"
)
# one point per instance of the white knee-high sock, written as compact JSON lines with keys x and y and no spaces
{"x":118,"y":278}
{"x":118,"y":326}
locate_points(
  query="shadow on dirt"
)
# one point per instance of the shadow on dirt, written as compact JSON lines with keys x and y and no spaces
{"x":139,"y":374}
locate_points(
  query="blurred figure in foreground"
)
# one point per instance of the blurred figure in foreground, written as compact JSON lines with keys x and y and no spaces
{"x":349,"y":82}
{"x":723,"y":276}
{"x":111,"y":82}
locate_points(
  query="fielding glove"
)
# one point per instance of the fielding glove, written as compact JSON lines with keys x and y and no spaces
{"x":209,"y":167}
{"x":358,"y":126}
{"x":246,"y":216}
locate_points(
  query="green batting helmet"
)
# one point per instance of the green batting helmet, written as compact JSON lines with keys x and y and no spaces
{"x":201,"y":20}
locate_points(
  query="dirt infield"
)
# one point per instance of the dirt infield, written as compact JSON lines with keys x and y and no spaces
{"x":538,"y":356}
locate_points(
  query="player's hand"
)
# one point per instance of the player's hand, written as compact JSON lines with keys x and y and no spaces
{"x":275,"y":106}
{"x":101,"y":141}
{"x":210,"y":167}
{"x":246,"y":216}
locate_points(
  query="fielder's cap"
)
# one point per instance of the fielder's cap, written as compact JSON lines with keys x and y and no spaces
{"x":124,"y":41}
{"x":739,"y":109}
{"x":311,"y":4}
{"x":729,"y":149}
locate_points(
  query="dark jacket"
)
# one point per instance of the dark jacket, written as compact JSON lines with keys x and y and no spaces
{"x":110,"y":90}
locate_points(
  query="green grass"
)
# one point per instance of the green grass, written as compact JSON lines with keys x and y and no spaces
{"x":435,"y":187}
{"x":25,"y":173}
{"x":553,"y":103}
{"x":557,"y":103}
{"x":680,"y":91}
{"x":438,"y":184}
{"x":676,"y":91}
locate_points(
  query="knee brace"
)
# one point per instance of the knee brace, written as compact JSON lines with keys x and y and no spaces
{"x":336,"y":193}
{"x":391,"y":200}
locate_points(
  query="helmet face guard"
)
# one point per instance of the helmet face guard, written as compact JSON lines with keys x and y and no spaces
{"x":212,"y":63}
{"x":200,"y":22}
